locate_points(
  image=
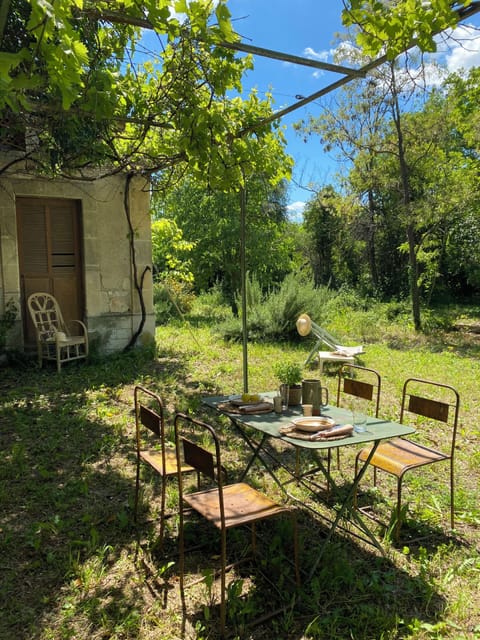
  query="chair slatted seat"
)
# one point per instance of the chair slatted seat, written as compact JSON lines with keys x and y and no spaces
{"x":400,"y":455}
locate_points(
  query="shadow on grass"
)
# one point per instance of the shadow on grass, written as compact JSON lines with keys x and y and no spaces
{"x":353,"y":592}
{"x":67,"y":469}
{"x":67,"y":541}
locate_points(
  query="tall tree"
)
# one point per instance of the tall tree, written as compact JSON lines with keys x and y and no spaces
{"x":353,"y":125}
{"x":321,"y":223}
{"x":368,"y":112}
{"x":211,"y":222}
{"x":446,"y":185}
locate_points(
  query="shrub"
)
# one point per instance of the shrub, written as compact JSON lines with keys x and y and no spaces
{"x":172,"y":297}
{"x":273,"y":316}
{"x":211,"y":306}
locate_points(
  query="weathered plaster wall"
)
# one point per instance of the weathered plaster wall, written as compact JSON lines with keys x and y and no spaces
{"x":112,"y":309}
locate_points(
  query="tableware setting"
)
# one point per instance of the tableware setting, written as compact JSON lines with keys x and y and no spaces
{"x":246,"y":403}
{"x":307,"y":409}
{"x":359,"y":422}
{"x":316,"y":428}
{"x":313,"y":424}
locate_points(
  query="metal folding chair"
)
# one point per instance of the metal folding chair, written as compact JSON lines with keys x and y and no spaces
{"x":338,"y":353}
{"x":420,"y":399}
{"x":355,"y":381}
{"x":152,"y":447}
{"x":223,"y":505}
{"x":362,"y":383}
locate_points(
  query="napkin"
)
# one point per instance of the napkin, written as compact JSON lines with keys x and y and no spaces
{"x":336,"y":432}
{"x":259,"y":407}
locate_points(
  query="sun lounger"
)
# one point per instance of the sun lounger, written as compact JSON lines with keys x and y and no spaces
{"x":339,"y":353}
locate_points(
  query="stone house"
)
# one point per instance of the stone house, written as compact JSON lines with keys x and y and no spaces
{"x":71,"y":238}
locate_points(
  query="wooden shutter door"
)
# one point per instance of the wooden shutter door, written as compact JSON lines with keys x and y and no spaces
{"x":49,"y":254}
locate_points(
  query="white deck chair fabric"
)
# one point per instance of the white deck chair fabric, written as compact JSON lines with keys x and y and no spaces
{"x":339,"y":352}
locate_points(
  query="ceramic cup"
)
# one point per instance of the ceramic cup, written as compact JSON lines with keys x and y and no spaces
{"x":307,"y":409}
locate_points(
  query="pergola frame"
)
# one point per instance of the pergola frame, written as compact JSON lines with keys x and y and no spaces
{"x":348,"y":75}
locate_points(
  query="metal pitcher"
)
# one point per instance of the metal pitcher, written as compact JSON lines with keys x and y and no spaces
{"x":313,"y":393}
{"x":309,"y":389}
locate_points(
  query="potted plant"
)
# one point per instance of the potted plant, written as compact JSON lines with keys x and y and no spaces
{"x":290,"y":376}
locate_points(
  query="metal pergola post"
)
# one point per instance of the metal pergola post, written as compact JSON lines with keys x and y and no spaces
{"x":243,"y":278}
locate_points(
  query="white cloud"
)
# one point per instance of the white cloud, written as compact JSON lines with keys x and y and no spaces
{"x":317,"y":55}
{"x":456,"y":49}
{"x":295,"y":211}
{"x":464,"y":51}
{"x":345,"y":52}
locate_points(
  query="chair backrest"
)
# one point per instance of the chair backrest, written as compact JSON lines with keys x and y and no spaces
{"x":46,"y":316}
{"x":326,"y":337}
{"x":359,"y":382}
{"x":197,"y":456}
{"x":432,"y":400}
{"x":149,"y":416}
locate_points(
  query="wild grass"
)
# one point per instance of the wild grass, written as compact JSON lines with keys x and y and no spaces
{"x":73,"y":565}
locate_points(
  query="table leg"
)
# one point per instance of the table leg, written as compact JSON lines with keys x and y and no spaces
{"x":256,"y":449}
{"x":346,"y":511}
{"x":347,"y":505}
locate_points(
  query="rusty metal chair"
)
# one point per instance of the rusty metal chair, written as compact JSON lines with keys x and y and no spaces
{"x":152,"y":447}
{"x":223,"y":505}
{"x":55,"y":338}
{"x":420,"y":399}
{"x":356,"y":382}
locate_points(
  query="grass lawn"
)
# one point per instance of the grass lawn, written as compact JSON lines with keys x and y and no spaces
{"x":73,"y":565}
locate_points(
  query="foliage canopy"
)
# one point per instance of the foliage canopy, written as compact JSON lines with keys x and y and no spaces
{"x":71,"y":83}
{"x":392,"y":27}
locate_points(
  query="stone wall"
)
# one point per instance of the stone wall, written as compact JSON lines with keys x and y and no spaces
{"x":112,"y":308}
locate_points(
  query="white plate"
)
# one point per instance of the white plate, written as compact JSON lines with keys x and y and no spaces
{"x":313,"y":424}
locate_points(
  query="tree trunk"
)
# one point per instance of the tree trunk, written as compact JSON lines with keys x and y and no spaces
{"x":407,"y":207}
{"x":372,"y":260}
{"x":4,"y":8}
{"x":413,"y":276}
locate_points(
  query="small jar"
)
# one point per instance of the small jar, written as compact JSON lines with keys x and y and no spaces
{"x":277,"y":404}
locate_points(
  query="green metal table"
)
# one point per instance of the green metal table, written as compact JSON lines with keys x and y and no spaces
{"x":257,"y":429}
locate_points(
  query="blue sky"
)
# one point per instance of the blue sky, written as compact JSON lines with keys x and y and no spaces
{"x":309,"y":28}
{"x":294,"y":28}
{"x":306,"y":28}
